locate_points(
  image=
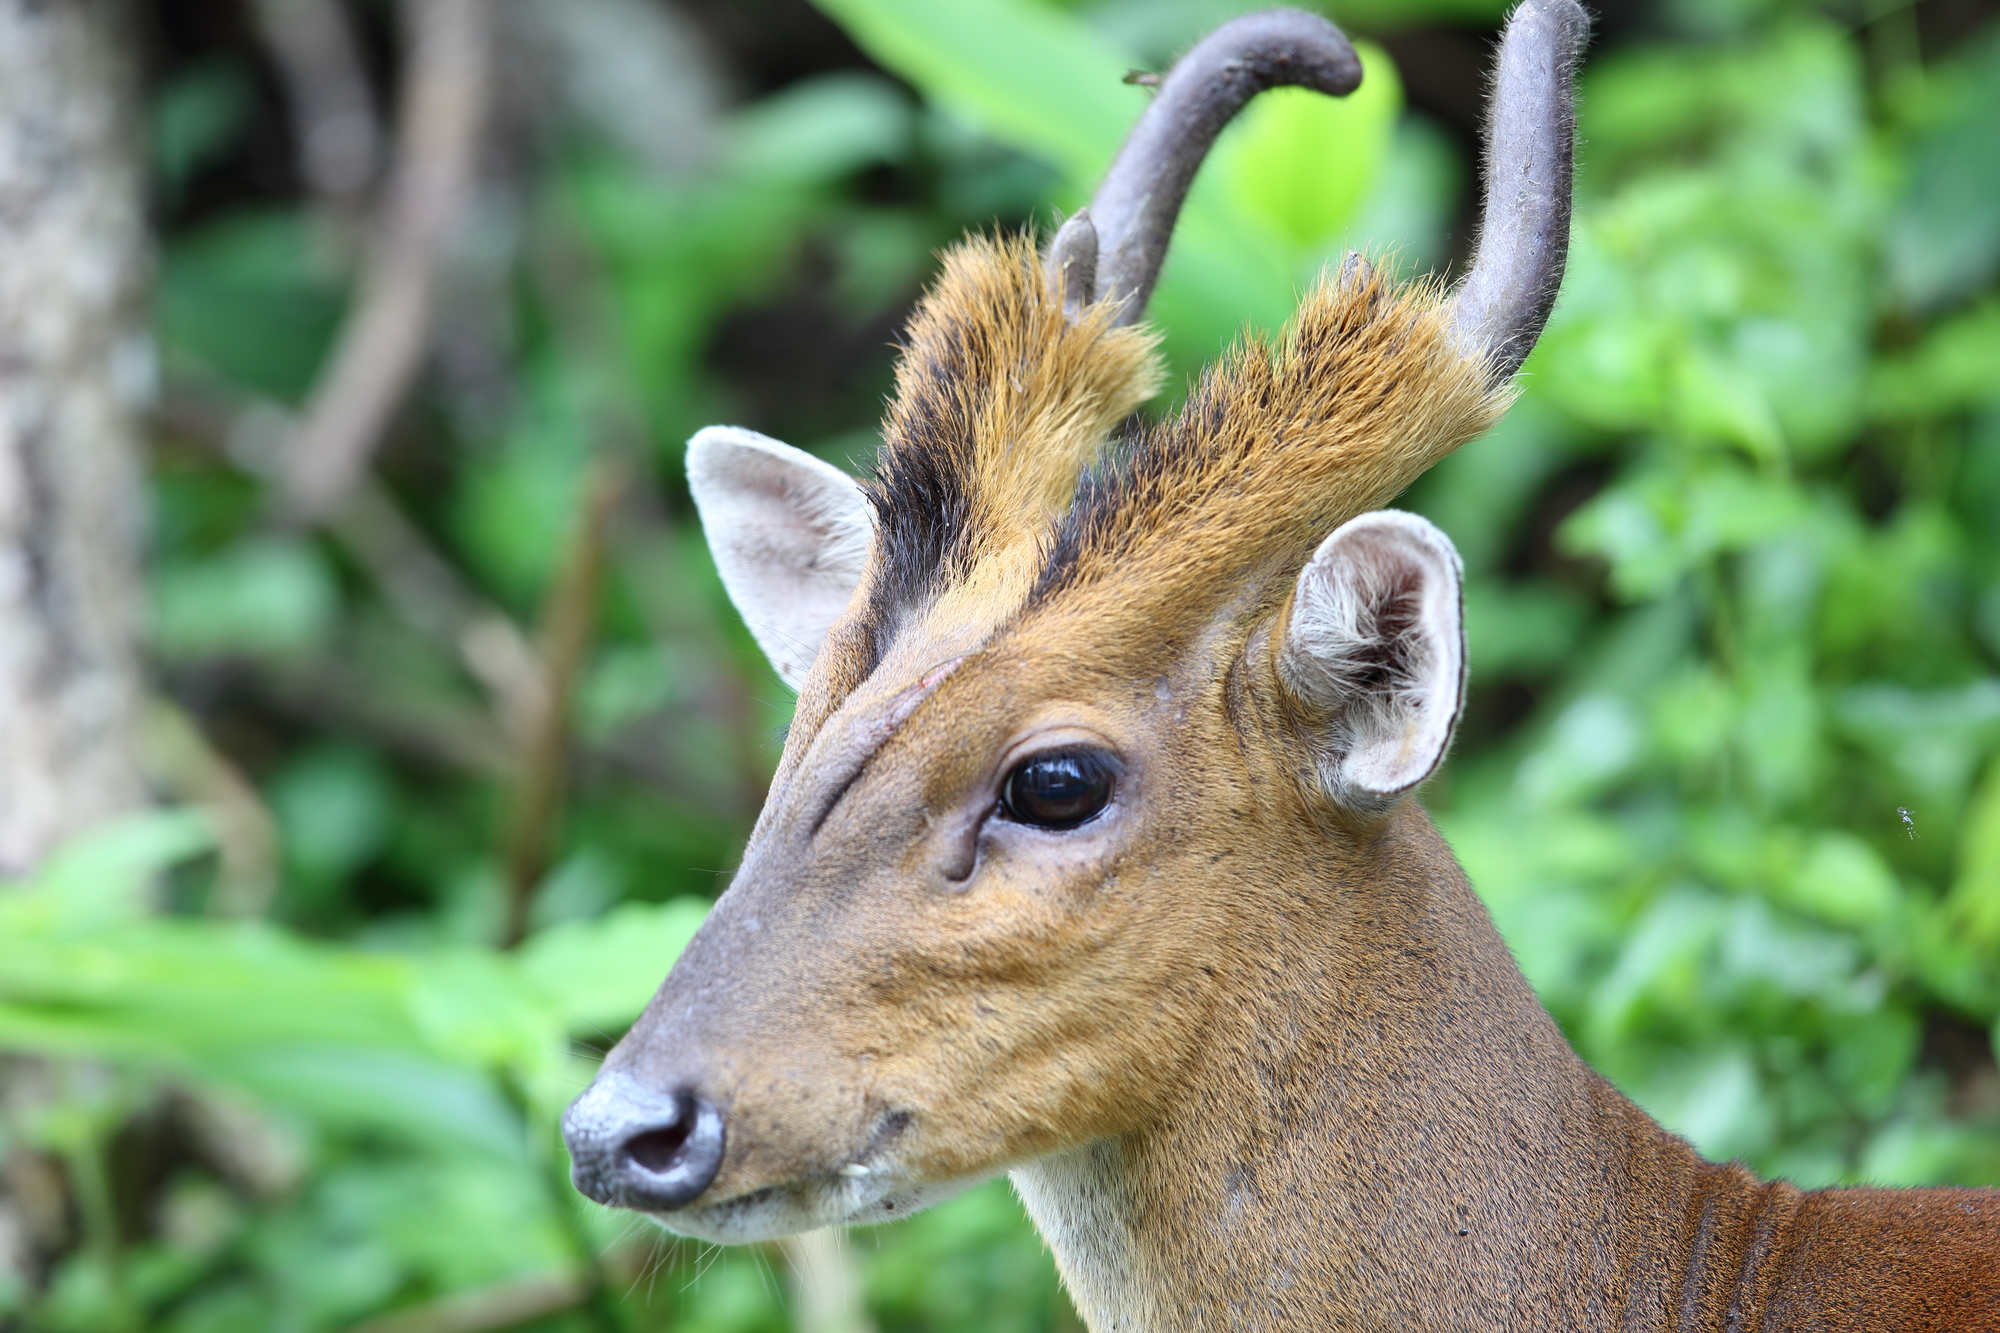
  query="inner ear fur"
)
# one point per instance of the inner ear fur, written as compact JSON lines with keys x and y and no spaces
{"x":791,"y":537}
{"x":1373,"y":651}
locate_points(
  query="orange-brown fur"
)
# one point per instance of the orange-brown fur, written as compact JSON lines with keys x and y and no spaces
{"x":1281,"y":1044}
{"x":1276,"y":446}
{"x":1036,"y":395}
{"x":1285,"y":439}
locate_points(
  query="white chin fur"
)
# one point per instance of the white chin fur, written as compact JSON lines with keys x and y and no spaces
{"x":786,"y":1210}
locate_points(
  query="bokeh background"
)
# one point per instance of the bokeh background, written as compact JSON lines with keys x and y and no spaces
{"x":449,"y":735}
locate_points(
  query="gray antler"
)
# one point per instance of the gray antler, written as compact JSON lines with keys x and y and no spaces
{"x":1072,"y":263}
{"x":1499,"y":310}
{"x":1134,"y":210}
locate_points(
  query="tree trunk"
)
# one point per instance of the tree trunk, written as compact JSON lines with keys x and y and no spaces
{"x":75,"y":366}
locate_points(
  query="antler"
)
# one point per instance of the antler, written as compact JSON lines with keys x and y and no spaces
{"x":1499,"y":310}
{"x":1112,"y":250}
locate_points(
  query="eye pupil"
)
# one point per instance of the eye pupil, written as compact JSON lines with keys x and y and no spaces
{"x":1057,"y":790}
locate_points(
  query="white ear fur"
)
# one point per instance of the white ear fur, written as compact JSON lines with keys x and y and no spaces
{"x":1375,"y":645}
{"x":791,"y":538}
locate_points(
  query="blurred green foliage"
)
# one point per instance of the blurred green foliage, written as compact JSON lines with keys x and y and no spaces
{"x":1733,"y":599}
{"x":1694,"y":846}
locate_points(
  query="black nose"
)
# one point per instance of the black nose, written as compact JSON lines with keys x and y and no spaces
{"x":632,"y":1147}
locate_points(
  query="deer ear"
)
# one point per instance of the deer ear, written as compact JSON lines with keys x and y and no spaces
{"x":791,"y":538}
{"x":1374,"y":650}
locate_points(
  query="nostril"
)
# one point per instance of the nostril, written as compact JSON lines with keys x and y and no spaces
{"x":658,"y":1150}
{"x":668,"y":1163}
{"x":633,"y":1147}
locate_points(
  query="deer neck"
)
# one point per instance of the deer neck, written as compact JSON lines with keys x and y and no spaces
{"x":1387,"y":1131}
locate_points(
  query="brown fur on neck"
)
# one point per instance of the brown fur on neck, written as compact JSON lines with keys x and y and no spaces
{"x":1410,"y":1143}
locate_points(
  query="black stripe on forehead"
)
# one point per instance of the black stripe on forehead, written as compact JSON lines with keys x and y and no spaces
{"x":922,"y":497}
{"x":923,"y":488}
{"x":1135,"y":467}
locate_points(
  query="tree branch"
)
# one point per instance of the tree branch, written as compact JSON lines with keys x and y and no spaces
{"x":333,"y":113}
{"x":382,"y":343}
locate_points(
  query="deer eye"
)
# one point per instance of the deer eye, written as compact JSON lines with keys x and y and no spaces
{"x":1059,"y":790}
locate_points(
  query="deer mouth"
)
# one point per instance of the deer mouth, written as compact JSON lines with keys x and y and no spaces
{"x":837,"y":1198}
{"x":869,"y":1186}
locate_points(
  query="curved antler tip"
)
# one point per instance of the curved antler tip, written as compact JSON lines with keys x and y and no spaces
{"x":1290,"y":46}
{"x":1141,"y":195}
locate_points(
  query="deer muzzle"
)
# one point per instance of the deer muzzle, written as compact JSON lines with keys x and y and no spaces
{"x":632,"y":1147}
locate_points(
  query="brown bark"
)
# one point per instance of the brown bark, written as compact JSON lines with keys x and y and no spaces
{"x":75,"y":365}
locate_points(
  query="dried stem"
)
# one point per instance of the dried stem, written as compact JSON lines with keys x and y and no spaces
{"x":382,"y":344}
{"x":569,"y":618}
{"x":333,"y":112}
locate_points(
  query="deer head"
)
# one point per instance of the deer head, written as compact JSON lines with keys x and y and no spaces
{"x":1086,"y":722}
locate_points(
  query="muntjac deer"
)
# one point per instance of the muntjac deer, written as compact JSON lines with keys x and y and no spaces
{"x":1092,"y":855}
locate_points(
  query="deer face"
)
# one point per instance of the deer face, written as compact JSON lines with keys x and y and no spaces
{"x":996,"y":891}
{"x":1067,"y":707}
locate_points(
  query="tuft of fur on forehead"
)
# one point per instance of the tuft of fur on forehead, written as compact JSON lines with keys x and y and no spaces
{"x":1280,"y":442}
{"x":1000,"y":405}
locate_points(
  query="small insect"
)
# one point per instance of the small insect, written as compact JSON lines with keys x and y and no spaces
{"x":1909,"y":818}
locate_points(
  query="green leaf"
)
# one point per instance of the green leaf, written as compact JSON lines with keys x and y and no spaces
{"x":1842,"y":880}
{"x":1952,"y":369}
{"x":1931,"y":741}
{"x":1975,"y":892}
{"x":1656,"y":527}
{"x":267,"y":597}
{"x":405,"y":1095}
{"x":1301,"y":162}
{"x":820,"y":129}
{"x":104,"y":874}
{"x":247,"y":298}
{"x":1713,"y":1100}
{"x":470,"y":1004}
{"x":599,"y":974}
{"x":334,"y":807}
{"x":1591,"y":744}
{"x":1779,"y":728}
{"x":197,"y":117}
{"x":1946,"y":236}
{"x":1027,"y":73}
